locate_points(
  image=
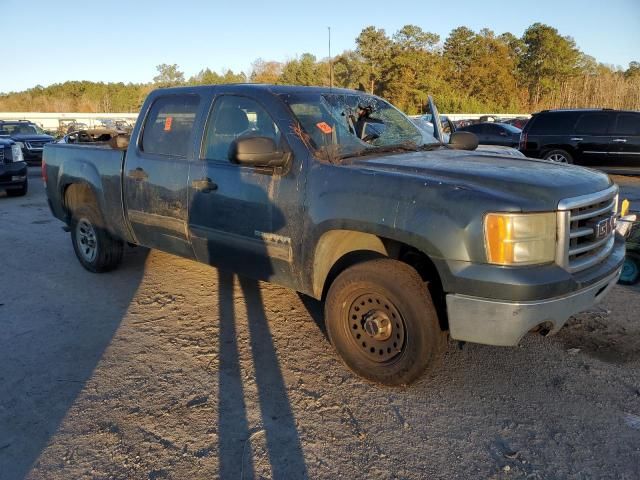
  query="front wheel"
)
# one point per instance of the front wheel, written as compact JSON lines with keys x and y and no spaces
{"x":19,"y":192}
{"x":630,"y":274}
{"x":96,"y":249}
{"x":381,"y":320}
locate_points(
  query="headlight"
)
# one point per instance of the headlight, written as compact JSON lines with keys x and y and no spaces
{"x":16,"y":153}
{"x":520,"y":238}
{"x":20,"y":144}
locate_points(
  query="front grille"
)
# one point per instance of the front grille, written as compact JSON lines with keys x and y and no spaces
{"x":36,"y":144}
{"x":587,"y":229}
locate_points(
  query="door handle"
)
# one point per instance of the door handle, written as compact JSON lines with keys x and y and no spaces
{"x":204,"y":185}
{"x":138,"y":174}
{"x":576,"y":139}
{"x":620,"y":140}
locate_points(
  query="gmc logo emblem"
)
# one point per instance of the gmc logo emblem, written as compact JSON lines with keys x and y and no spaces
{"x":603,"y":227}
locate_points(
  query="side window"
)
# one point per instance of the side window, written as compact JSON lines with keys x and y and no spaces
{"x":553,"y":123}
{"x":627,"y":124}
{"x":592,"y":124}
{"x":233,"y":117}
{"x":492,"y":129}
{"x":169,"y":125}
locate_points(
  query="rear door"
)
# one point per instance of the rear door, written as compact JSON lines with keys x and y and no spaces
{"x":156,"y":174}
{"x":624,"y":148}
{"x":243,"y":218}
{"x":592,"y":139}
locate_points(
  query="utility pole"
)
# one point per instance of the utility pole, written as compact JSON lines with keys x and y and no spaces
{"x":330,"y":61}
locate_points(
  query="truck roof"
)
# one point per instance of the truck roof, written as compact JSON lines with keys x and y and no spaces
{"x":247,"y":87}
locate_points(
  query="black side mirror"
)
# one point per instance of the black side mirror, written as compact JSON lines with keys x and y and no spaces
{"x":462,"y":140}
{"x":256,"y":152}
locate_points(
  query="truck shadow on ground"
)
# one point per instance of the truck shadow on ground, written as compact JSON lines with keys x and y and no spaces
{"x":43,"y":371}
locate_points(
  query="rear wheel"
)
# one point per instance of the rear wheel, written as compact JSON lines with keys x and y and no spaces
{"x":96,"y":249}
{"x":382,"y":322}
{"x":559,"y":156}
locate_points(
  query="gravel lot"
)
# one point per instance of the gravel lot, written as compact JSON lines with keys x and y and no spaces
{"x":170,"y":369}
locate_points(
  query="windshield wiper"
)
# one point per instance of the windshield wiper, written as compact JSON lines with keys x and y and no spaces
{"x":400,"y":147}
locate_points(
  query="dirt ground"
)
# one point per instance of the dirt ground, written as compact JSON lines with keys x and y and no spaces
{"x":167,"y":369}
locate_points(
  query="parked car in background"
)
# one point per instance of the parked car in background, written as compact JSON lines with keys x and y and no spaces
{"x":29,"y":136}
{"x":13,"y":168}
{"x":490,"y":133}
{"x":94,"y":136}
{"x":495,"y":149}
{"x":68,"y":125}
{"x":600,"y":138}
{"x":518,"y":122}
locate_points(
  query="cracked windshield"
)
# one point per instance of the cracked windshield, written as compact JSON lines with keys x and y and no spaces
{"x":347,"y":125}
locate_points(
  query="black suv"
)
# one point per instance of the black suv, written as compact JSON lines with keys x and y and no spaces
{"x":602,"y":138}
{"x":28,"y":135}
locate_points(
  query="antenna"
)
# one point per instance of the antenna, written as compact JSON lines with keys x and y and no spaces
{"x":330,"y":61}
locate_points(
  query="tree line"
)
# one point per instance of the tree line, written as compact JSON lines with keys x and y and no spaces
{"x":469,"y":72}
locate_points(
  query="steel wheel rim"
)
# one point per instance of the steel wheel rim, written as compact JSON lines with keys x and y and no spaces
{"x":376,"y":327}
{"x":87,"y":240}
{"x":558,"y":158}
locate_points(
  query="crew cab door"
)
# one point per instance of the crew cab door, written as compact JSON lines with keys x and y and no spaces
{"x":156,"y":174}
{"x":243,"y":218}
{"x":624,"y":147}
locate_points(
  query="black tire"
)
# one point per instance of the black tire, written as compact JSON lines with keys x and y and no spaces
{"x":95,"y":248}
{"x":630,"y":270}
{"x":558,"y":155}
{"x":19,"y":192}
{"x":359,"y":302}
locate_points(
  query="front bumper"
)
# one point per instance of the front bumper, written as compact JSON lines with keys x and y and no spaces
{"x":13,"y":174}
{"x":493,"y":322}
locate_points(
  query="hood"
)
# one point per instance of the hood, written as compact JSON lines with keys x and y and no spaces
{"x":31,"y":137}
{"x":542,"y":183}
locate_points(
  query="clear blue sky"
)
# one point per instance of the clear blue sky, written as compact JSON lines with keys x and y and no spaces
{"x":47,"y":42}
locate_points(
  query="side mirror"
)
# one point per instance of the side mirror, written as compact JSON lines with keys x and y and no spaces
{"x":462,"y":140}
{"x":256,"y":152}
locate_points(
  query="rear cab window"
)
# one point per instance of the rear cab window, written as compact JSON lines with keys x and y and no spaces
{"x":168,"y":129}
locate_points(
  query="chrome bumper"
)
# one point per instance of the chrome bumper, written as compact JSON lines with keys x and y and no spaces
{"x":492,"y":322}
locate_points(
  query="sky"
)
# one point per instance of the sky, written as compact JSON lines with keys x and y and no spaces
{"x":45,"y":42}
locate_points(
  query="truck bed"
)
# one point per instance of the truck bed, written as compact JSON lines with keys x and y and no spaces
{"x":98,"y":166}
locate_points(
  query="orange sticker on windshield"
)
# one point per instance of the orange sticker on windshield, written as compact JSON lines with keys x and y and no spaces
{"x":324,"y":127}
{"x":167,"y":124}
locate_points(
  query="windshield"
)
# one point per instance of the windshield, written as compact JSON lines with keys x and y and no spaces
{"x":21,"y":129}
{"x":345,"y":125}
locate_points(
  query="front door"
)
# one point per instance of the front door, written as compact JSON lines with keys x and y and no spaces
{"x":246,"y":219}
{"x":156,"y":175}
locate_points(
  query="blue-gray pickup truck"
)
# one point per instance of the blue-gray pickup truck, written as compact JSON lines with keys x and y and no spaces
{"x":338,"y":195}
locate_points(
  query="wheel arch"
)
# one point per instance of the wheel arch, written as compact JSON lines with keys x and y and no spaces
{"x":338,"y":250}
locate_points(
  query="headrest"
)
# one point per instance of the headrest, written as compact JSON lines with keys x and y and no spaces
{"x":231,"y":121}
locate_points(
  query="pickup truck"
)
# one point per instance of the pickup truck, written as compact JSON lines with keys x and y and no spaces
{"x":338,"y":195}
